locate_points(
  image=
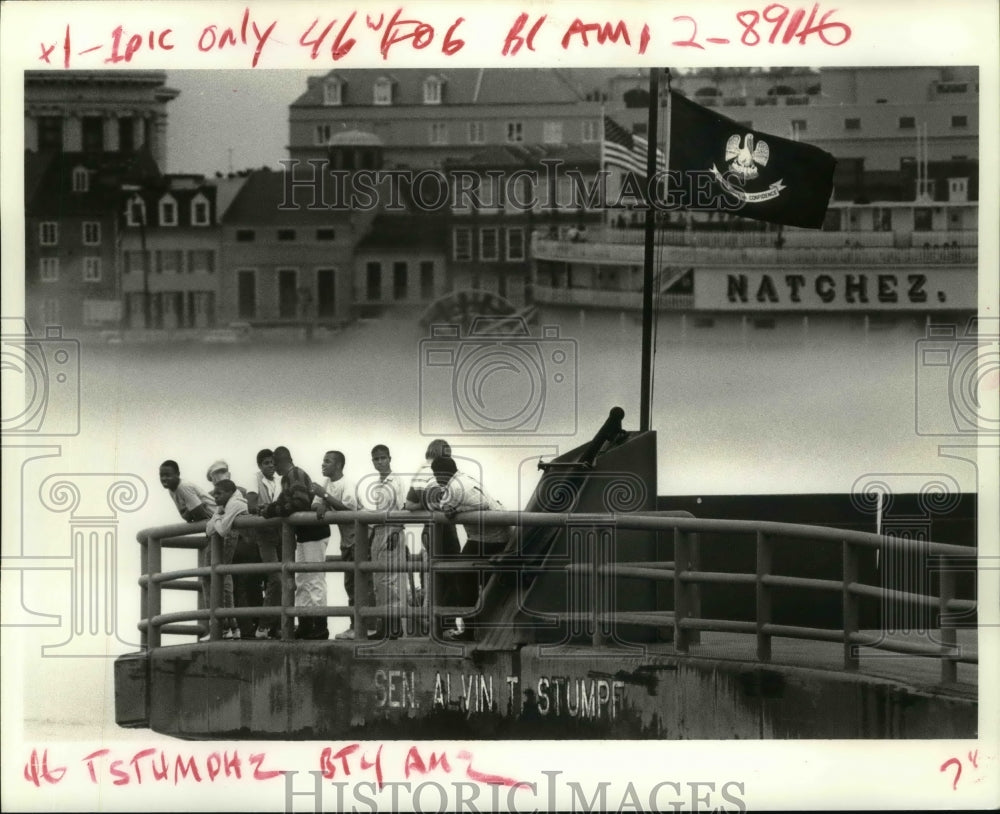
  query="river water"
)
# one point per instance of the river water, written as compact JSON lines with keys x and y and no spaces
{"x":789,"y":412}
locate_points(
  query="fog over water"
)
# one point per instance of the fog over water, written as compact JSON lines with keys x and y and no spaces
{"x":735,"y":412}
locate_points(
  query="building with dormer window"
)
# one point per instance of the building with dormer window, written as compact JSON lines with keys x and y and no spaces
{"x":424,"y":117}
{"x":73,"y":232}
{"x":170,"y":254}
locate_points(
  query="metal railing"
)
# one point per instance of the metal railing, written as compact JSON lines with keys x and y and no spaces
{"x":597,"y":563}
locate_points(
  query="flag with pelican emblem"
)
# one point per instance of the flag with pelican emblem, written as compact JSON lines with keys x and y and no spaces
{"x":751,"y":174}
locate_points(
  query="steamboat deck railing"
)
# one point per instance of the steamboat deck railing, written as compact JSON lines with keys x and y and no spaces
{"x":593,"y":562}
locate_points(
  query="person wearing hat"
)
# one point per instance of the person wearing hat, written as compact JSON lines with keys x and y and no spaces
{"x":462,"y":493}
{"x":231,"y":505}
{"x":248,"y":589}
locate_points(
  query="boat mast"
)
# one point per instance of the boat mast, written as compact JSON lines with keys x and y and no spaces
{"x":645,"y":396}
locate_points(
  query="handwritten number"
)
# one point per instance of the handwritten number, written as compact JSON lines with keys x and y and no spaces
{"x":690,"y":43}
{"x":821,"y":29}
{"x":824,"y":25}
{"x":958,"y":766}
{"x":793,"y":25}
{"x":451,"y":43}
{"x":748,"y":19}
{"x":775,"y":13}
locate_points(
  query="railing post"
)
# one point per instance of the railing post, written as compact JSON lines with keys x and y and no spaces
{"x":949,"y":634}
{"x":215,"y":588}
{"x":154,"y":564}
{"x":599,"y":585}
{"x":764,"y":552}
{"x":362,"y":579}
{"x":144,"y":592}
{"x":287,"y":580}
{"x":682,"y":560}
{"x":850,"y":606}
{"x":694,"y":588}
{"x":435,"y":590}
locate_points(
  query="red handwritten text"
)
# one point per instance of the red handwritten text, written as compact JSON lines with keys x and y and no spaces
{"x":603,"y":32}
{"x":419,"y":33}
{"x":514,"y":41}
{"x":212,"y":38}
{"x":37,"y":771}
{"x":153,"y":765}
{"x":135,"y":42}
{"x":342,"y":43}
{"x":328,"y":765}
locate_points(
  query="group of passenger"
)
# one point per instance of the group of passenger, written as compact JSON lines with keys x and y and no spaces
{"x":281,"y":488}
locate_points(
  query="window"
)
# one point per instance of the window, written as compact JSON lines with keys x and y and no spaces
{"x":48,"y":269}
{"x":326,"y":234}
{"x":81,"y":179}
{"x":135,"y":213}
{"x":201,"y":260}
{"x":907,"y":122}
{"x":92,"y":132}
{"x":50,"y":311}
{"x":477,"y":133}
{"x":91,"y":233}
{"x":399,"y":275}
{"x":515,"y":244}
{"x":92,"y":269}
{"x":959,"y":121}
{"x":852,"y":124}
{"x":48,"y":233}
{"x":591,"y":131}
{"x":462,"y":243}
{"x":515,"y":132}
{"x":199,"y":211}
{"x":133,"y":261}
{"x":426,"y":279}
{"x":438,"y":132}
{"x":333,"y":94}
{"x":246,"y":293}
{"x":799,"y":126}
{"x":922,"y":220}
{"x":50,"y":133}
{"x":245,"y":235}
{"x":168,"y":211}
{"x":324,"y":132}
{"x":432,"y":90}
{"x":168,"y":260}
{"x":552,"y":132}
{"x":488,"y":244}
{"x":126,"y":134}
{"x":373,"y":281}
{"x":286,"y":235}
{"x":383,"y":92}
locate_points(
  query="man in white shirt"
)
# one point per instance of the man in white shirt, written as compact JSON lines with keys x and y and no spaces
{"x":463,"y":493}
{"x":388,"y":544}
{"x":268,"y":487}
{"x":337,"y":493}
{"x":421,"y":497}
{"x":191,"y":502}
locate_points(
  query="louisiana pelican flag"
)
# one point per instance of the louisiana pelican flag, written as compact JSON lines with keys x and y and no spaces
{"x":760,"y":176}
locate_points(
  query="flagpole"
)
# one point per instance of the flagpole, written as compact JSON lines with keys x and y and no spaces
{"x":601,"y":180}
{"x":645,"y":399}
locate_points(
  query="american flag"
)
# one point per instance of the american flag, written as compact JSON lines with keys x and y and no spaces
{"x":627,"y":150}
